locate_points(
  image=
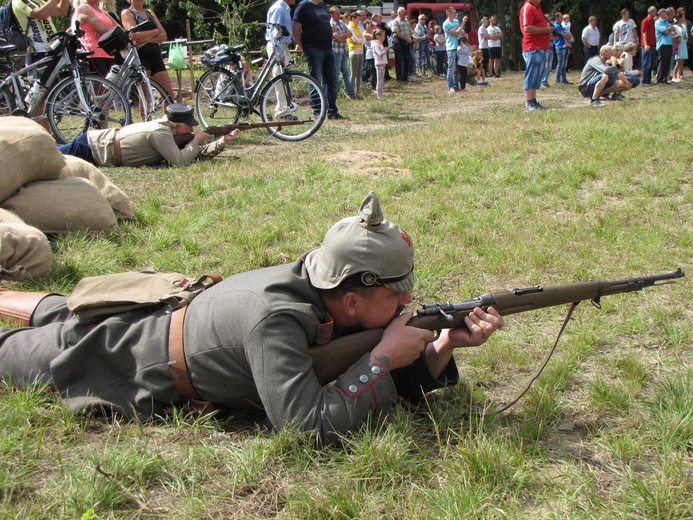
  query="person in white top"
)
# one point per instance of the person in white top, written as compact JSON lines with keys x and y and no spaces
{"x":483,"y":41}
{"x":625,"y":30}
{"x":590,"y":39}
{"x":495,"y":35}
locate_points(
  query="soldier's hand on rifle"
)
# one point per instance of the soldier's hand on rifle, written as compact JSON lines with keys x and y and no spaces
{"x":480,"y":325}
{"x":402,"y":345}
{"x":233,"y":134}
{"x":201,"y":137}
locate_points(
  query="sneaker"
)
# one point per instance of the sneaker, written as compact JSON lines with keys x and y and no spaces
{"x":349,"y":97}
{"x":676,"y":80}
{"x":540,"y":106}
{"x":566,"y":82}
{"x":617,"y":96}
{"x":464,"y":90}
{"x":336,"y":116}
{"x":532,"y":108}
{"x":451,"y":91}
{"x":596,"y":103}
{"x":545,"y":85}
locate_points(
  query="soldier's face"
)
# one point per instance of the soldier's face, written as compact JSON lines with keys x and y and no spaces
{"x":382,"y":307}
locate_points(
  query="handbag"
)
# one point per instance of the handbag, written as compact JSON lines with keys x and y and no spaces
{"x":99,"y":296}
{"x":176,"y":58}
{"x":114,"y":40}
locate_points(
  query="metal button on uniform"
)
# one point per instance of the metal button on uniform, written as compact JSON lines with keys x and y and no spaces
{"x":363,"y":378}
{"x":375,"y":370}
{"x":353,"y":388}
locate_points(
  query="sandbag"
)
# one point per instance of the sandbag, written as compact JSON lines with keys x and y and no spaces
{"x":76,"y":167}
{"x":27,"y":153}
{"x":24,"y":250}
{"x":62,"y":205}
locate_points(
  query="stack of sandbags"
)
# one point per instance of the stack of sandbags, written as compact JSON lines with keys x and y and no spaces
{"x":24,"y":250}
{"x":49,"y":191}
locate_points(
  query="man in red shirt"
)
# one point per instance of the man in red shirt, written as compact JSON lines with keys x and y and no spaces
{"x":648,"y":42}
{"x":535,"y":44}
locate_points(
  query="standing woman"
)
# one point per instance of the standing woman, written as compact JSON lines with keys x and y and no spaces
{"x":148,"y":41}
{"x":682,"y":53}
{"x":94,"y":22}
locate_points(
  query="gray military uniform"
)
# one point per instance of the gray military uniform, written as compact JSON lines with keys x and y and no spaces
{"x":246,"y":344}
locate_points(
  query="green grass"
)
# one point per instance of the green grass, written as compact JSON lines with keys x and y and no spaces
{"x":494,"y":198}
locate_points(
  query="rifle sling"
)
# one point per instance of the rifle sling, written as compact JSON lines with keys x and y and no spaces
{"x":546,"y":360}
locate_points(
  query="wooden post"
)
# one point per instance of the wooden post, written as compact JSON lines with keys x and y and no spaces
{"x":190,"y":56}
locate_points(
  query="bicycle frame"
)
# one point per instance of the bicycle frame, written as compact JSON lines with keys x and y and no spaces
{"x":16,"y":81}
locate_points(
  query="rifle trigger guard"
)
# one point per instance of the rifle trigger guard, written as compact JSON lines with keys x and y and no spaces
{"x":596,"y":302}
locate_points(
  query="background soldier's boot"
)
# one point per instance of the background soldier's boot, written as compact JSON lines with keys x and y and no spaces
{"x":18,"y":307}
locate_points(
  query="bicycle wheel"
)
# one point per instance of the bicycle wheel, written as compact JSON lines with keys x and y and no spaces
{"x":218,"y":99}
{"x":105,"y":106}
{"x":293,"y":96}
{"x":7,"y":104}
{"x":146,"y":104}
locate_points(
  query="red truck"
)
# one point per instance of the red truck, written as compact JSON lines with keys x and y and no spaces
{"x":436,"y":12}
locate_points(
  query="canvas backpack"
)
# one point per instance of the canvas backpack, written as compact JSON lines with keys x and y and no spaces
{"x":11,"y":30}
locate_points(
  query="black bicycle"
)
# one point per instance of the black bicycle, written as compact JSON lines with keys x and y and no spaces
{"x":223,"y":95}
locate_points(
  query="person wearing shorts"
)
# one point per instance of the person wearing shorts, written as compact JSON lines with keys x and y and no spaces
{"x":536,"y":31}
{"x":148,"y":41}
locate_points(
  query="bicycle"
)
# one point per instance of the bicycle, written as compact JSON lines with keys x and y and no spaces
{"x":222,"y":96}
{"x":147,"y":98}
{"x":74,"y":101}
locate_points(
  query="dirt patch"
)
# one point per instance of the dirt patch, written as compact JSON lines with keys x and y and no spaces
{"x":368,"y":162}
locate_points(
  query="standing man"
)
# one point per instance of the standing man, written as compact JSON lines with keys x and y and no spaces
{"x":561,"y":44}
{"x":495,"y":35}
{"x":648,"y":42}
{"x":312,"y":33}
{"x":590,"y":39}
{"x":280,"y":13}
{"x":664,"y":32}
{"x":403,"y":40}
{"x":340,"y":34}
{"x":482,"y":34}
{"x":536,"y":31}
{"x":625,"y":30}
{"x":452,"y":31}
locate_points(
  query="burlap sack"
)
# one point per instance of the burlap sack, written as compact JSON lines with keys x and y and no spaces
{"x":62,"y":205}
{"x":24,"y":250}
{"x":27,"y":153}
{"x":119,"y":202}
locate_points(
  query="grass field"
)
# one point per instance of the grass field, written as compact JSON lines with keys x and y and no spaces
{"x":494,"y":198}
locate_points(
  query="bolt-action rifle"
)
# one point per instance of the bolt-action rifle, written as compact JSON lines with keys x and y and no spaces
{"x":183,"y":139}
{"x":334,"y":358}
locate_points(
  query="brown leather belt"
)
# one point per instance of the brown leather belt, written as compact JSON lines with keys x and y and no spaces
{"x":176,"y":355}
{"x":116,"y":148}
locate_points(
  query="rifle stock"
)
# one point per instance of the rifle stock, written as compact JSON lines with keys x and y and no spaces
{"x":183,"y":139}
{"x":333,"y":359}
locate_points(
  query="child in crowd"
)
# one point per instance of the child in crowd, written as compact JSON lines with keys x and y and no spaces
{"x":439,"y":49}
{"x":380,"y":58}
{"x":479,"y":71}
{"x":464,"y":59}
{"x":566,"y":24}
{"x":630,"y":50}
